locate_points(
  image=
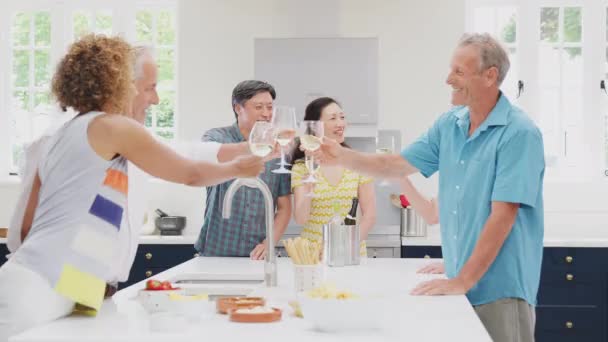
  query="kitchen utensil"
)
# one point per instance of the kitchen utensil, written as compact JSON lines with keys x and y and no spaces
{"x":396,"y":201}
{"x":160,"y":213}
{"x":170,"y":225}
{"x":412,"y":224}
{"x":404,"y":202}
{"x":148,"y":226}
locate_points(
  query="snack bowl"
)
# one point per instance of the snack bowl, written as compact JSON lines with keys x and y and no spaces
{"x":154,"y":301}
{"x":175,"y":302}
{"x":227,"y":304}
{"x":258,"y":314}
{"x":342,"y":314}
{"x":331,"y":309}
{"x":194,"y":307}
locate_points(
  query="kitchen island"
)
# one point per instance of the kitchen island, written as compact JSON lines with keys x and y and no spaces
{"x":446,"y":318}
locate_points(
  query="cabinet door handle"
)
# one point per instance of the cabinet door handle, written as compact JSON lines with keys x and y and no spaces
{"x":148,"y":256}
{"x":148,"y":274}
{"x":426,"y":256}
{"x":569,"y":259}
{"x":569,"y":325}
{"x":569,"y":277}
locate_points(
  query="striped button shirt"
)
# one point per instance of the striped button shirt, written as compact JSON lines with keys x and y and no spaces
{"x":246,"y":227}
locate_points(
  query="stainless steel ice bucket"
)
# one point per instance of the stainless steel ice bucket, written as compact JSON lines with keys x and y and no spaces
{"x":341,"y":245}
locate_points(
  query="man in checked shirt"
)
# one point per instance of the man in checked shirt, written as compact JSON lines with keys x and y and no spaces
{"x":244,"y":233}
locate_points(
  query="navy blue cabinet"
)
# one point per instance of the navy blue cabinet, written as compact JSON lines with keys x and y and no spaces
{"x":3,"y":252}
{"x":153,"y":259}
{"x":427,"y":252}
{"x":572,"y":296}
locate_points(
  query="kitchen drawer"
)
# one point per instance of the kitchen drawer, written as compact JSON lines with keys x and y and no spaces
{"x":3,"y":252}
{"x":557,"y":324}
{"x":426,"y":252}
{"x":381,"y":252}
{"x":139,"y":274}
{"x":572,"y":288}
{"x":163,"y":255}
{"x":563,"y":258}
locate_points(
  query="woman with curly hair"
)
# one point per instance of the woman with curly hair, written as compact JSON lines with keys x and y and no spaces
{"x":75,"y":231}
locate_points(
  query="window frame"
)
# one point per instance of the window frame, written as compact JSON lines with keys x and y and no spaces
{"x":62,"y":36}
{"x":590,"y":166}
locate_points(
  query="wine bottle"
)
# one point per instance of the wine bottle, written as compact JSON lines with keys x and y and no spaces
{"x":351,"y":218}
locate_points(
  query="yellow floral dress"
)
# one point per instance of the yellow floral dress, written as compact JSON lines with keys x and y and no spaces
{"x":326,"y":196}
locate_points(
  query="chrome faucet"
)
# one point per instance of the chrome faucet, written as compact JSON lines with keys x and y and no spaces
{"x":270,"y":264}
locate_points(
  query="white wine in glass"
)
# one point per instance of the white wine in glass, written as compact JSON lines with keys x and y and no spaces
{"x":312,"y":166}
{"x":284,"y":123}
{"x":311,"y":133}
{"x":285,"y":136}
{"x":310,"y":142}
{"x":260,"y":149}
{"x":261,"y":139}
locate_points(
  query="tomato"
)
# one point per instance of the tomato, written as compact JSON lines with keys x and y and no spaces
{"x":153,"y":285}
{"x":165,"y":285}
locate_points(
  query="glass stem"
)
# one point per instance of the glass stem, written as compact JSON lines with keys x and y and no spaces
{"x":282,"y":157}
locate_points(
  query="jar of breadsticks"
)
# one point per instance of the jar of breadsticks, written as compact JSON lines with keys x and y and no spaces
{"x":306,"y":258}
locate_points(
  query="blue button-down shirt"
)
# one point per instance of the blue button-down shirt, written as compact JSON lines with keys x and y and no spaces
{"x":246,"y":227}
{"x":501,"y":161}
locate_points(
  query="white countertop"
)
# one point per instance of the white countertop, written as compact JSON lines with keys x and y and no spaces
{"x":426,"y":319}
{"x":373,"y":241}
{"x":555,"y":236}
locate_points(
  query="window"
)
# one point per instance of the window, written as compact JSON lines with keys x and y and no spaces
{"x":501,"y":22}
{"x":157,"y":28}
{"x":40,"y":31}
{"x":84,"y":22}
{"x":30,"y":77}
{"x":559,"y":75}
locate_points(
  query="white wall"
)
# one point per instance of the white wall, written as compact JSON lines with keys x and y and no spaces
{"x":416,"y":39}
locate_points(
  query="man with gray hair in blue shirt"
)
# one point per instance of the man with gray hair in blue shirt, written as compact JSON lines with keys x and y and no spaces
{"x":490,"y":159}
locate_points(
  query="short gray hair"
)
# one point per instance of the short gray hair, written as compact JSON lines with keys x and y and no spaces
{"x":143,"y":54}
{"x":248,"y":89}
{"x":491,"y":53}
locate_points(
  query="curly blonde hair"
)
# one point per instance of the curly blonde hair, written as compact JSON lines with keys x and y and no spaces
{"x":96,"y":75}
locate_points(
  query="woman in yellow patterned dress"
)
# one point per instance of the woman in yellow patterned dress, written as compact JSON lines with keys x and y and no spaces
{"x":335,"y":186}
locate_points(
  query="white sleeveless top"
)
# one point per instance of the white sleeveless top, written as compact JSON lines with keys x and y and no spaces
{"x":80,"y":238}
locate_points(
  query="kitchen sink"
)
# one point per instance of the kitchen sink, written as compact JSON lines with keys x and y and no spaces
{"x":218,"y":285}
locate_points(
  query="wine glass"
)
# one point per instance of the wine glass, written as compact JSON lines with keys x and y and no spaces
{"x":310,"y":138}
{"x":261,"y":139}
{"x":284,"y":124}
{"x":312,"y":166}
{"x":385,"y":144}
